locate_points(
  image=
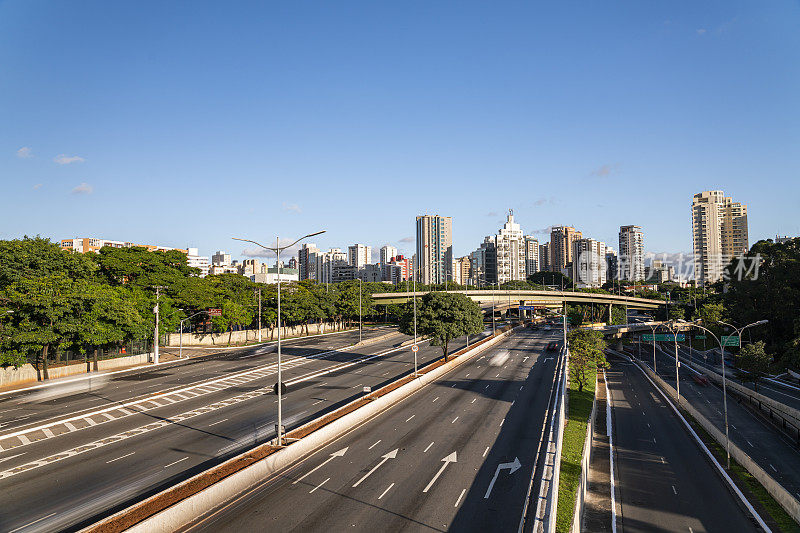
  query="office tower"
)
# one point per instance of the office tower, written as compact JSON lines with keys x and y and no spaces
{"x":631,"y":253}
{"x":434,"y":248}
{"x":307,"y":260}
{"x":327,"y":261}
{"x":544,"y":257}
{"x":387,"y":252}
{"x":719,"y":233}
{"x":221,"y":259}
{"x":561,"y":239}
{"x":510,"y":251}
{"x":612,"y":265}
{"x":359,"y":255}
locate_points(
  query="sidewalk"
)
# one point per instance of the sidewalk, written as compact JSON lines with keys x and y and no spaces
{"x":597,"y":510}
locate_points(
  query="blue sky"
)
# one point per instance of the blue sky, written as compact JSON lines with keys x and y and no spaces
{"x":186,"y":123}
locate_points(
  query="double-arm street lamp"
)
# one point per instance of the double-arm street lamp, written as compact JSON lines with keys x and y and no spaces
{"x":278,"y":249}
{"x":494,"y":329}
{"x":739,"y":331}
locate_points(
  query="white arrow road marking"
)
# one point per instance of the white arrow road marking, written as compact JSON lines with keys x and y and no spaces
{"x":512,"y":467}
{"x":333,"y":456}
{"x":447,"y":460}
{"x":391,"y":455}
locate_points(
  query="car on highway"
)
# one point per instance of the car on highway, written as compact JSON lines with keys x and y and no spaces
{"x":553,"y":346}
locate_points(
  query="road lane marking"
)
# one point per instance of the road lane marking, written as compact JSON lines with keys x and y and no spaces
{"x":773,"y":468}
{"x":486,"y":451}
{"x":323,"y":463}
{"x":486,"y":387}
{"x":467,"y":375}
{"x":435,"y":399}
{"x":454,"y":420}
{"x":447,"y":460}
{"x":391,"y":455}
{"x":220,"y":422}
{"x":501,"y":422}
{"x":459,"y":497}
{"x":384,"y":492}
{"x":750,"y":443}
{"x":428,"y":448}
{"x":521,"y":387}
{"x":453,"y":385}
{"x":31,"y":523}
{"x":318,"y":486}
{"x":497,"y":376}
{"x":473,"y":400}
{"x":673,"y":490}
{"x":376,"y":443}
{"x":315,"y":403}
{"x":122,"y":457}
{"x":410,"y":417}
{"x":176,"y":462}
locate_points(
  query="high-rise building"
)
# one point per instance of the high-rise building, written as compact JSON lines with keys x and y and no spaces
{"x":510,"y":251}
{"x":612,"y":265}
{"x":589,"y":263}
{"x":561,"y":239}
{"x":400,"y":269}
{"x":326,"y":262}
{"x":483,"y":263}
{"x":250,"y":267}
{"x":387,"y":252}
{"x":94,"y":244}
{"x":307,"y":260}
{"x":544,"y":257}
{"x":194,"y":260}
{"x":531,"y":255}
{"x":719,"y":233}
{"x":630,"y":261}
{"x":434,"y":248}
{"x":359,"y":255}
{"x":221,"y":258}
{"x":293,"y":263}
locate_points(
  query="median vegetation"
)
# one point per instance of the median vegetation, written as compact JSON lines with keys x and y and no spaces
{"x":586,"y":355}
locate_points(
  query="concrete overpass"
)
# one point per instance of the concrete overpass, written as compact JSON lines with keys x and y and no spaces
{"x":513,"y":298}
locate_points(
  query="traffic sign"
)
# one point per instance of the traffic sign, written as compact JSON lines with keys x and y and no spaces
{"x":215,"y":312}
{"x":663,"y":337}
{"x":414,"y":347}
{"x":527,"y":308}
{"x":730,"y":340}
{"x":283,"y":388}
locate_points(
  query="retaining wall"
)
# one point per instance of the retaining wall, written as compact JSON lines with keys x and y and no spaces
{"x":27,"y":372}
{"x":244,"y":335}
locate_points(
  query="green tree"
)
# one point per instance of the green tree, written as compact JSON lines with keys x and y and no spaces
{"x":30,"y":258}
{"x":585,"y":352}
{"x":443,"y":317}
{"x":754,"y":361}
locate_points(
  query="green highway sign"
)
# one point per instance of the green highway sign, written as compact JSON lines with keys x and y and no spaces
{"x":663,"y":337}
{"x":700,"y":337}
{"x":730,"y":340}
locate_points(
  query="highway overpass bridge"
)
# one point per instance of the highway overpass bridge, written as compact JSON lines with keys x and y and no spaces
{"x":545,"y":299}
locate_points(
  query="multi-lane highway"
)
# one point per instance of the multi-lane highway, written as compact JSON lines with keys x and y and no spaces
{"x":90,"y":452}
{"x":664,"y":480}
{"x":456,"y":455}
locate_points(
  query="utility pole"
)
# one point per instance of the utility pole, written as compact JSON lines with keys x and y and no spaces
{"x":259,"y":313}
{"x":155,"y":332}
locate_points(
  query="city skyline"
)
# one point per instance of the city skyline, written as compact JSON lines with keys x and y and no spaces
{"x":410,"y":126}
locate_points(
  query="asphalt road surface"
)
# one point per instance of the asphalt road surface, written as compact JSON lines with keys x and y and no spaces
{"x":664,"y":481}
{"x":129,"y":439}
{"x":456,"y":455}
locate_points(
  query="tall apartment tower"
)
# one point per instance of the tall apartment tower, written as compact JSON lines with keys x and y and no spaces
{"x":387,"y":252}
{"x":544,"y":257}
{"x":561,"y":239}
{"x":359,"y":255}
{"x":510,"y":251}
{"x":532,"y":247}
{"x":630,"y":261}
{"x":719,"y":233}
{"x":434,"y":248}
{"x":221,"y":258}
{"x":589,"y":267}
{"x":307,"y":261}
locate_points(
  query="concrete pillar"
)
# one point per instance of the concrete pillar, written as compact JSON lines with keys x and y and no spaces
{"x":609,"y":314}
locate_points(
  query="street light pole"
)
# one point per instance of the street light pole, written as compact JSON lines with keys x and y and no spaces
{"x":180,"y":350}
{"x":724,"y":393}
{"x":360,"y":283}
{"x":278,"y":249}
{"x":414,"y":281}
{"x":155,"y":331}
{"x":259,"y":313}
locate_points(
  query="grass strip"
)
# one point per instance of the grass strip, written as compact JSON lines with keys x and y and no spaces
{"x":580,"y":408}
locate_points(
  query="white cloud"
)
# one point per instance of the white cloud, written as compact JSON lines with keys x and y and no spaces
{"x":491,"y":214}
{"x":63,"y":159}
{"x":701,"y":31}
{"x":25,"y":152}
{"x":37,"y":186}
{"x":83,"y":188}
{"x":606,"y":170}
{"x":406,"y":240}
{"x":291,"y":207}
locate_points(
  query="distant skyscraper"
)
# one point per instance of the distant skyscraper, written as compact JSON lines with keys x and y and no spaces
{"x":307,"y":260}
{"x":719,"y":233}
{"x":510,"y":251}
{"x":326,"y":262}
{"x":387,"y":252}
{"x":359,"y":255}
{"x":194,"y":260}
{"x":561,"y":239}
{"x":631,"y":253}
{"x":293,"y":263}
{"x":434,"y":248}
{"x":589,"y":265}
{"x":221,"y":259}
{"x":531,"y":256}
{"x":544,"y":257}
